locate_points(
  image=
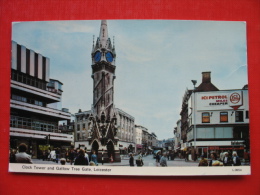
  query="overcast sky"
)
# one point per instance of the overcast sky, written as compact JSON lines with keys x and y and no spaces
{"x":156,"y":61}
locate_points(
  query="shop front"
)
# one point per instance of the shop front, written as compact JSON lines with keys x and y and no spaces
{"x":138,"y":148}
{"x":205,"y":148}
{"x":126,"y":147}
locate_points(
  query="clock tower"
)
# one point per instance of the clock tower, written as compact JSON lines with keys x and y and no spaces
{"x":103,"y":73}
{"x":102,"y":123}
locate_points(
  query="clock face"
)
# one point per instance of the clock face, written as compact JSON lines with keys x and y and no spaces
{"x":109,"y":56}
{"x":97,"y":56}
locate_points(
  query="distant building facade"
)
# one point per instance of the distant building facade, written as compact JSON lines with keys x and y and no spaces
{"x":177,"y":136}
{"x":138,"y":138}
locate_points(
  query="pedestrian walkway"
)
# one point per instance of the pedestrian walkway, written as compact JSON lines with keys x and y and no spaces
{"x":148,"y":160}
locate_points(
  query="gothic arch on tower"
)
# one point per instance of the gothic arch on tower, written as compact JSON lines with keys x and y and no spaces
{"x":95,"y":146}
{"x":110,"y":149}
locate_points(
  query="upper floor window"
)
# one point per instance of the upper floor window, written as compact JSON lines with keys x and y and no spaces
{"x":239,"y":116}
{"x":205,"y":117}
{"x":223,"y":117}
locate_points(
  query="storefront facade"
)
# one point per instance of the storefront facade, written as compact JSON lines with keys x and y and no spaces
{"x":220,"y":122}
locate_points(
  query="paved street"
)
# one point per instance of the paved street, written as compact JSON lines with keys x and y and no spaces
{"x":148,"y":161}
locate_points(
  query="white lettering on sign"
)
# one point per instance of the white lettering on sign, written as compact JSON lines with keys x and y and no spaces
{"x":214,"y":97}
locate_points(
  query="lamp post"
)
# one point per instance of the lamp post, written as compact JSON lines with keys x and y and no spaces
{"x":194,"y":115}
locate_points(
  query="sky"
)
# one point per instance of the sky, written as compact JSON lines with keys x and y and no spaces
{"x":155,"y":63}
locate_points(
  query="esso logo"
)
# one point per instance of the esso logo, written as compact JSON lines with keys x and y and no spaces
{"x":234,"y":98}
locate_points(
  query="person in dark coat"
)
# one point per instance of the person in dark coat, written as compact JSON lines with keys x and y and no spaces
{"x":131,"y":160}
{"x":227,"y":160}
{"x":158,"y":158}
{"x":12,"y":156}
{"x":81,"y":159}
{"x":236,"y":160}
{"x":72,"y":156}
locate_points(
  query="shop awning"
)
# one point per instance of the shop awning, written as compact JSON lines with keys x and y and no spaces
{"x":138,"y":145}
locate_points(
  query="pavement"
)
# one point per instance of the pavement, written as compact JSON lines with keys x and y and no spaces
{"x":148,"y":160}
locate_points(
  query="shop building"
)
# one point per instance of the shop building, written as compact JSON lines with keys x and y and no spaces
{"x":35,"y":104}
{"x":218,"y":120}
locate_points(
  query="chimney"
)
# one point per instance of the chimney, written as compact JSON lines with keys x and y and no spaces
{"x":206,"y":78}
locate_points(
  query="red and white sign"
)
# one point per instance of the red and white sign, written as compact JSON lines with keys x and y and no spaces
{"x":235,"y":99}
{"x":219,"y":100}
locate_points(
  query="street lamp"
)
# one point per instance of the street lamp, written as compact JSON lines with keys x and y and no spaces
{"x":194,"y":115}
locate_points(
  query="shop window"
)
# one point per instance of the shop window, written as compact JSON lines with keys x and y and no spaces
{"x":205,"y":117}
{"x":223,"y":117}
{"x":239,"y":116}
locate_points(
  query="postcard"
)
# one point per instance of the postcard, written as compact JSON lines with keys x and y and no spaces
{"x":129,"y":97}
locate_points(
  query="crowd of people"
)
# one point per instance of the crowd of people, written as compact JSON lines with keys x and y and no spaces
{"x":224,"y":159}
{"x":81,"y":157}
{"x":72,"y":156}
{"x":161,"y":160}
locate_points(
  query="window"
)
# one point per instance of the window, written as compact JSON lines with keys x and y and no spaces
{"x":78,"y":127}
{"x":205,"y":117}
{"x":239,"y":116}
{"x":247,"y":114}
{"x":223,"y":117}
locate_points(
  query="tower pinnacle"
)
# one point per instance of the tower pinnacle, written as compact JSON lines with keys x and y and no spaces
{"x":103,"y":35}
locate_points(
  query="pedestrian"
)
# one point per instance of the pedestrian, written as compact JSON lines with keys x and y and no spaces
{"x":91,"y":163}
{"x":62,"y":161}
{"x":22,"y":156}
{"x":246,"y":156}
{"x":131,"y":160}
{"x":94,"y":157}
{"x":72,"y":156}
{"x":221,"y":155}
{"x":111,"y":158}
{"x":214,"y":161}
{"x":187,"y":156}
{"x":157,"y":158}
{"x":86,"y":155}
{"x":236,"y":160}
{"x":163,"y":160}
{"x":12,"y":156}
{"x":227,"y":160}
{"x":81,"y":159}
{"x":57,"y":154}
{"x":203,"y":161}
{"x":139,"y":161}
